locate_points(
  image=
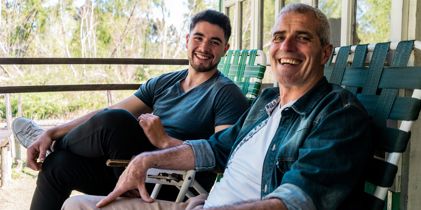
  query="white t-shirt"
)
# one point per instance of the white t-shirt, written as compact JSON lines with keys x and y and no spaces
{"x":242,"y":177}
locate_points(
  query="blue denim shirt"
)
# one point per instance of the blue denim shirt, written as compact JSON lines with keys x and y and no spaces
{"x":317,"y":156}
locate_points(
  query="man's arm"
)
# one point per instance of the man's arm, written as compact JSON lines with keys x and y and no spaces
{"x":154,"y":130}
{"x":133,"y":177}
{"x":269,"y":204}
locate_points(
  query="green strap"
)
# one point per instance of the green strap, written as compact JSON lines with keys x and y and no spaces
{"x":252,"y":57}
{"x":376,"y":68}
{"x":360,"y":55}
{"x":227,"y":64}
{"x":340,"y":65}
{"x":402,"y":53}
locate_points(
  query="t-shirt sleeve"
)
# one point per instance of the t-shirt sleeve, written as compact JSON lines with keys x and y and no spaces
{"x":229,"y":104}
{"x":146,"y":92}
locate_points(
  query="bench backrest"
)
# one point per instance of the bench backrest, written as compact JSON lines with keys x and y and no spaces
{"x":390,"y":91}
{"x":246,"y":68}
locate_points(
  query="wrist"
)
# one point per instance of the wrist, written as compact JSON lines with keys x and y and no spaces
{"x":49,"y":133}
{"x":170,"y":142}
{"x":54,"y":133}
{"x":145,"y":159}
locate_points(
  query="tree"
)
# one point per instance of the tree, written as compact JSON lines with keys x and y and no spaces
{"x":373,"y":20}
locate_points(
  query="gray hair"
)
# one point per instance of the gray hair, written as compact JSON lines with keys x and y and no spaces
{"x":324,"y":29}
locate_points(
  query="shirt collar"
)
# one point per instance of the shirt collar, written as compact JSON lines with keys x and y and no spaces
{"x":271,"y":106}
{"x":309,"y":100}
{"x":306,"y":103}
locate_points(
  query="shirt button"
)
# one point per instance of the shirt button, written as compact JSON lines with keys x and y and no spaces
{"x":274,"y":147}
{"x":266,"y":188}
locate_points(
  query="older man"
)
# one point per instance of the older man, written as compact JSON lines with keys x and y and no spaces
{"x":300,"y":146}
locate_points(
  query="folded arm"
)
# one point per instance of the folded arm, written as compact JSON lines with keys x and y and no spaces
{"x":154,"y":130}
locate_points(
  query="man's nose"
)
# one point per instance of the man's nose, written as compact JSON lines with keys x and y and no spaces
{"x":205,"y":45}
{"x":289,"y":44}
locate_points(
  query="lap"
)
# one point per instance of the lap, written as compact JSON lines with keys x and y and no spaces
{"x":87,"y":202}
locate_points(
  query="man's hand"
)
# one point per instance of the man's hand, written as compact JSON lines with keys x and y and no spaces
{"x":37,"y":151}
{"x":196,"y":202}
{"x":132,"y":178}
{"x":154,"y":130}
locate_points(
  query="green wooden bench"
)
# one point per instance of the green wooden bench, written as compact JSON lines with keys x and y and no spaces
{"x":246,"y":68}
{"x":390,"y":91}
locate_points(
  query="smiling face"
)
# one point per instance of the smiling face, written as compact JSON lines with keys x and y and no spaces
{"x":206,"y":45}
{"x":297,"y":56}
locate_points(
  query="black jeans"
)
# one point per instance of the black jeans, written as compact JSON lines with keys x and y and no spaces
{"x":78,"y":160}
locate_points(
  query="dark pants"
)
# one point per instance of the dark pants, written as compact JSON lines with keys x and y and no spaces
{"x":78,"y":160}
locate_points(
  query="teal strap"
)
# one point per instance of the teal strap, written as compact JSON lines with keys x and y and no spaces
{"x":376,"y":68}
{"x":360,"y":55}
{"x":340,"y":65}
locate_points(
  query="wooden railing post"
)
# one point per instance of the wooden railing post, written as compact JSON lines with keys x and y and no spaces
{"x":14,"y":145}
{"x":9,"y":122}
{"x":109,"y":98}
{"x":6,"y":149}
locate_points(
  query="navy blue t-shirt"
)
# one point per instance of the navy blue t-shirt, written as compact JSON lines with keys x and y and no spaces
{"x":193,"y":114}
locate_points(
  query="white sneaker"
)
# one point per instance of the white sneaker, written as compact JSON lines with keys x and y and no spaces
{"x":26,"y":131}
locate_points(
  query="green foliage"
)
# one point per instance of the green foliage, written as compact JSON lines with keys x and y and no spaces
{"x":56,"y":105}
{"x":373,"y":20}
{"x":2,"y":111}
{"x":103,"y":35}
{"x":331,"y":8}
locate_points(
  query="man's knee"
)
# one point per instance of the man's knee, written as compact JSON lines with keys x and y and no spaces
{"x":113,"y":117}
{"x":81,"y":202}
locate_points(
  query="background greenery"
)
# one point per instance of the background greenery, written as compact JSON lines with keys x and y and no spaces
{"x":87,"y":28}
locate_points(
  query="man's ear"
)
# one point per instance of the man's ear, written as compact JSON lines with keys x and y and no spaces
{"x":326,"y":52}
{"x":227,"y":47}
{"x":187,"y":40}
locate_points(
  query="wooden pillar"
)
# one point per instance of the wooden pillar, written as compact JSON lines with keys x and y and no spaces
{"x":14,"y":145}
{"x":347,"y":22}
{"x":411,"y":170}
{"x":257,"y":24}
{"x":6,"y":162}
{"x":5,"y":149}
{"x":109,"y":98}
{"x":9,"y":123}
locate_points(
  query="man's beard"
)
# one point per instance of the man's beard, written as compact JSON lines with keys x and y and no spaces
{"x":202,"y":68}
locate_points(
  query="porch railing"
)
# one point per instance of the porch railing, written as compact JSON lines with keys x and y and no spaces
{"x":81,"y":87}
{"x":13,"y":150}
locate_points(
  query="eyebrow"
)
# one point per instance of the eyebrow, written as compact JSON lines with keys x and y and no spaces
{"x":311,"y":35}
{"x":212,"y":38}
